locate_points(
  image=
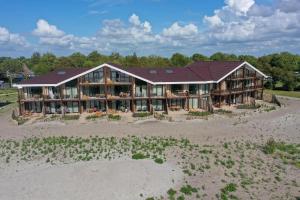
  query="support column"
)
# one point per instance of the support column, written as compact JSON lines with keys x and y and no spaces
{"x":79,"y":94}
{"x":19,"y":102}
{"x":133,"y":107}
{"x":43,"y":102}
{"x":105,"y":88}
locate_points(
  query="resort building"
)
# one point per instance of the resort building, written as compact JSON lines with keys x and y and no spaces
{"x":112,"y":88}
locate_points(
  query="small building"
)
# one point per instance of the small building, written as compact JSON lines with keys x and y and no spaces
{"x":110,"y":88}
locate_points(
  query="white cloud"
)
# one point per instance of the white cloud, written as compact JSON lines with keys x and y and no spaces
{"x":44,"y":29}
{"x":239,"y":26}
{"x":11,"y":40}
{"x":240,"y":6}
{"x":175,"y":30}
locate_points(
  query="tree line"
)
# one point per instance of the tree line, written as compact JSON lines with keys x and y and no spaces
{"x":284,"y":68}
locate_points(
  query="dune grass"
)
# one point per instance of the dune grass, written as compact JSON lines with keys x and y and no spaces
{"x":294,"y":94}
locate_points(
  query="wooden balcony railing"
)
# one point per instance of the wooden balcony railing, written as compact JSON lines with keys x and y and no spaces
{"x":236,"y":90}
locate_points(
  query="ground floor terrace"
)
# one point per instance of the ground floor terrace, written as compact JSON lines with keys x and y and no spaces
{"x":114,"y":105}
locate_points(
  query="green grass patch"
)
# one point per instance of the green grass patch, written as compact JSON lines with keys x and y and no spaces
{"x":199,"y":113}
{"x":159,"y":160}
{"x":188,"y":190}
{"x":70,"y":117}
{"x":248,"y":106}
{"x":289,"y":153}
{"x":114,"y":117}
{"x":295,"y":94}
{"x":139,"y":156}
{"x":141,"y":114}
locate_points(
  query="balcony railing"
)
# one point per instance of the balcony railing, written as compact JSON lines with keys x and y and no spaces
{"x":177,"y":93}
{"x":236,"y":90}
{"x":32,"y":97}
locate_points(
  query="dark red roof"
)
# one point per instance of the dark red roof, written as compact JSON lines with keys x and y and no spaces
{"x":55,"y":77}
{"x":213,"y":70}
{"x":174,"y":74}
{"x":198,"y":71}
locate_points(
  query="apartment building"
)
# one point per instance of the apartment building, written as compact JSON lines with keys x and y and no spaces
{"x":112,"y":88}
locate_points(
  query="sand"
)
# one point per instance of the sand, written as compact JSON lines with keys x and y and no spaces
{"x":116,"y":179}
{"x":127,"y":179}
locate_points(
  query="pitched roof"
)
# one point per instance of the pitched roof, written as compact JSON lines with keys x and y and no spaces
{"x":196,"y":72}
{"x":54,"y":77}
{"x":202,"y":71}
{"x":175,"y":74}
{"x":213,"y":70}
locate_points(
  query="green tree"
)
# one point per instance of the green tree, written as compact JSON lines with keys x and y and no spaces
{"x":179,"y":60}
{"x":199,"y":57}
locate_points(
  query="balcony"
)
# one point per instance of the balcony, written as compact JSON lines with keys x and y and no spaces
{"x":236,"y":90}
{"x":92,"y":81}
{"x":121,"y":95}
{"x":118,"y":81}
{"x":177,"y":94}
{"x":52,"y":97}
{"x":92,"y":97}
{"x":32,"y":97}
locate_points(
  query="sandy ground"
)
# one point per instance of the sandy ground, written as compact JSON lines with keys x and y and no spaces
{"x":127,"y":179}
{"x":116,"y":179}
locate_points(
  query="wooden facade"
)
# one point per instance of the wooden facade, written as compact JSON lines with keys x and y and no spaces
{"x":109,"y":90}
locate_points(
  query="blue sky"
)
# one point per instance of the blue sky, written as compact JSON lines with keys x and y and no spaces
{"x":146,"y":27}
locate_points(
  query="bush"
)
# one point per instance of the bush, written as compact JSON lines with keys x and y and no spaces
{"x":159,"y":161}
{"x":231,"y":187}
{"x":94,"y":116}
{"x":270,"y":146}
{"x":138,"y":156}
{"x":114,"y":117}
{"x":248,"y":106}
{"x":222,"y":111}
{"x":70,"y":117}
{"x":141,"y":114}
{"x":188,"y":190}
{"x":199,"y":113}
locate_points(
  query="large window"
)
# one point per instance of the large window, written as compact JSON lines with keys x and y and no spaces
{"x":35,"y":107}
{"x":157,"y":90}
{"x":141,"y":90}
{"x":93,"y":104}
{"x":35,"y":92}
{"x":177,"y":103}
{"x":176,"y":88}
{"x":193,"y":103}
{"x":119,"y":77}
{"x":157,"y":105}
{"x":71,"y":90}
{"x":94,"y":77}
{"x":194,"y":89}
{"x":205,"y":89}
{"x":93,"y":91}
{"x":141,"y":105}
{"x":72,"y":107}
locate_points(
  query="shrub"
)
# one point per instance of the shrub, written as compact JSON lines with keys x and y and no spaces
{"x":94,"y":116}
{"x":248,"y":106}
{"x":199,"y":113}
{"x":114,"y":117}
{"x":141,"y":114}
{"x":159,"y":161}
{"x":70,"y":117}
{"x":188,"y":190}
{"x":231,"y":187}
{"x":138,"y":156}
{"x":270,"y":146}
{"x":222,"y":111}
